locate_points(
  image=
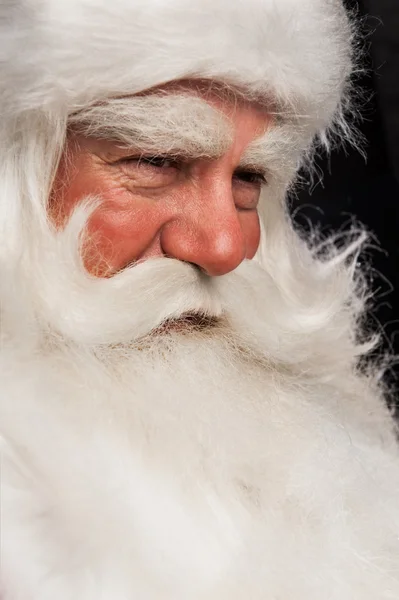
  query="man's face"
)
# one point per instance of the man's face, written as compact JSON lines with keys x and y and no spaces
{"x":197,"y":206}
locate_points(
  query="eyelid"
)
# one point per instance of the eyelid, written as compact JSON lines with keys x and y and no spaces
{"x":258,"y":175}
{"x":154,"y":160}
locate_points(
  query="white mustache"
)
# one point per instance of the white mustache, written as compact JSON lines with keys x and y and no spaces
{"x":119,"y":309}
{"x":292,"y":315}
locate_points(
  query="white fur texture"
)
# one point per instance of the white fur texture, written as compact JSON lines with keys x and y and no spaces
{"x":247,"y":458}
{"x":67,"y":54}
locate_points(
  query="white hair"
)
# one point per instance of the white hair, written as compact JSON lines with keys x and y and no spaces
{"x":245,"y":454}
{"x":171,"y":463}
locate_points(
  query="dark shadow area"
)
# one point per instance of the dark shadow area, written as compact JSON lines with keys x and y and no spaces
{"x":368,"y":190}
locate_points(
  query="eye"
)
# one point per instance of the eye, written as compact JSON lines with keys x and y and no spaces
{"x":247,"y":185}
{"x":252,"y":177}
{"x":157,"y":162}
{"x":150,"y":171}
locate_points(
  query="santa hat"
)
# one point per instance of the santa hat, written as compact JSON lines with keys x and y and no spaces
{"x":59,"y":55}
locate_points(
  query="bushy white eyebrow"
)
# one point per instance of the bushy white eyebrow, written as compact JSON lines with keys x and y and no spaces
{"x":275,"y":151}
{"x":185,"y":126}
{"x":172,"y":124}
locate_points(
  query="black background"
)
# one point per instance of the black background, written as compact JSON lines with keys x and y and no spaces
{"x":368,"y":189}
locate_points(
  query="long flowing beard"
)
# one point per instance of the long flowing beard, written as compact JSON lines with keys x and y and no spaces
{"x":164,"y":336}
{"x":150,"y":452}
{"x":173,"y":429}
{"x":187,"y":464}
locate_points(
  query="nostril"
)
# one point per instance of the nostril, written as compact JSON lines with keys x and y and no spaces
{"x":196,"y":266}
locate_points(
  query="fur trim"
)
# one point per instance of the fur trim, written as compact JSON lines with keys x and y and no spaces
{"x":62,"y":55}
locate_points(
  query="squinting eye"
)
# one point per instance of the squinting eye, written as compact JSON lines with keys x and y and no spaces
{"x":150,"y":171}
{"x":251,"y":177}
{"x":160,"y":162}
{"x":247,"y":187}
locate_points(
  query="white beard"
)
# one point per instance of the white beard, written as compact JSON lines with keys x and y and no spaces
{"x":236,"y":461}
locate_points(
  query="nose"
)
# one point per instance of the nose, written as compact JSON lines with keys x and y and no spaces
{"x":206,"y":232}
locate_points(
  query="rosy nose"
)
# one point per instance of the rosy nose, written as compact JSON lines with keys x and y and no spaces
{"x":215,"y":247}
{"x":207,"y":234}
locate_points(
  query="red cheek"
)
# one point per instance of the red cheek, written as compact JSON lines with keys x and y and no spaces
{"x":117,"y":237}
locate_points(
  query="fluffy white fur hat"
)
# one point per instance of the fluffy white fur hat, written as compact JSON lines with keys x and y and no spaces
{"x":60,"y":55}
